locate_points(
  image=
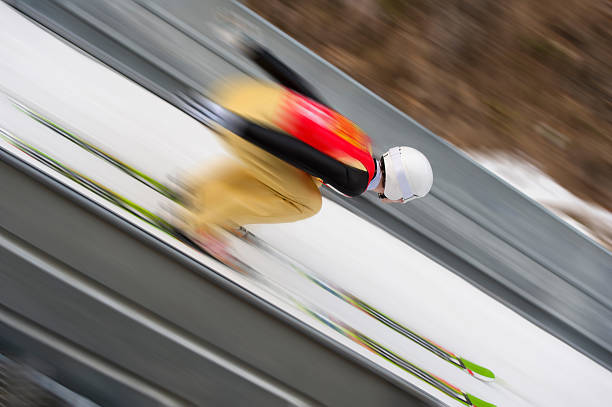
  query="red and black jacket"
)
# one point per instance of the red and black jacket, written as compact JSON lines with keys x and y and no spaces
{"x":313,"y":147}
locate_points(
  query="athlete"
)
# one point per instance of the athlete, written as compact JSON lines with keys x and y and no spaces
{"x":293,"y":143}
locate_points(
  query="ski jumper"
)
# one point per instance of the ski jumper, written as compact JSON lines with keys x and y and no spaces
{"x":259,"y":187}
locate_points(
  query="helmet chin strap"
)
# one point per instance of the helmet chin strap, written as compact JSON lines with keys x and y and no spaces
{"x":401,"y":175}
{"x":376,"y":180}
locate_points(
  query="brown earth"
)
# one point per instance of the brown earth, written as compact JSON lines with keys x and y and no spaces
{"x":526,"y":76}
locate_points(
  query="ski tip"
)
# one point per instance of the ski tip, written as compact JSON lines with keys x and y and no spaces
{"x":478,"y":371}
{"x":476,"y":402}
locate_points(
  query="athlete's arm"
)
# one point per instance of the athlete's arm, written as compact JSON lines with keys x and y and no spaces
{"x":281,"y":72}
{"x":346,"y":179}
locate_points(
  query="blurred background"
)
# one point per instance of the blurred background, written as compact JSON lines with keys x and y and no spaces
{"x":518,"y":83}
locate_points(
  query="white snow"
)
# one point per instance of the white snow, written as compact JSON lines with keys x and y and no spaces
{"x":590,"y":219}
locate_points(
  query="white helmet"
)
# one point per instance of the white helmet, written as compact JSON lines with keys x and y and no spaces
{"x":408,"y":174}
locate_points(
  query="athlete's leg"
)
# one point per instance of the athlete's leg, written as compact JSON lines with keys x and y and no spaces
{"x":230,"y":194}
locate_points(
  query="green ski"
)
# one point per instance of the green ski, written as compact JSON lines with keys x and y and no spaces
{"x":145,"y":179}
{"x":469,"y":367}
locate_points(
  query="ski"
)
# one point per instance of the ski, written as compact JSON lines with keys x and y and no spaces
{"x":238,"y":265}
{"x":88,"y":183}
{"x":473,"y":369}
{"x":373,"y":346}
{"x":138,"y":175}
{"x":113,"y":197}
